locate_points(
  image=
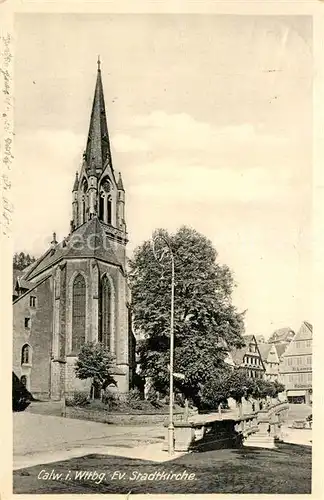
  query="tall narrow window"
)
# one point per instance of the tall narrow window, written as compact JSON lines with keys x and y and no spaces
{"x":78,"y":313}
{"x":83,"y":209}
{"x":25,"y":355}
{"x":105,"y":312}
{"x":109,"y":210}
{"x":101,"y":206}
{"x":105,"y":205}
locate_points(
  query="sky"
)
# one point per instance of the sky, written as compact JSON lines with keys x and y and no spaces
{"x":210,"y":122}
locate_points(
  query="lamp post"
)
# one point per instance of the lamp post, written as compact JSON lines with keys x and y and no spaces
{"x":167,"y":248}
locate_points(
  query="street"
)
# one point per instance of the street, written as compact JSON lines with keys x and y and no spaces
{"x":60,"y":455}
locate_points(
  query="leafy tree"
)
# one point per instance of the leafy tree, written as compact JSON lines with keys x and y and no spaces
{"x":22,"y":260}
{"x":278,"y":387}
{"x":96,"y":362}
{"x":215,"y":390}
{"x":206,"y":324}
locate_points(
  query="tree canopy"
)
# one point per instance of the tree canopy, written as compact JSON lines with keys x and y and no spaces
{"x":22,"y":260}
{"x":96,"y":362}
{"x":206,"y":323}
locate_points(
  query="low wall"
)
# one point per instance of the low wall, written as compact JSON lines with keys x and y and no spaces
{"x":117,"y":418}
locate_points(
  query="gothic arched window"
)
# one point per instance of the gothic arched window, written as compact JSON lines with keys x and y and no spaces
{"x":105,"y":303}
{"x":78,"y":313}
{"x":25,"y":355}
{"x":105,"y":201}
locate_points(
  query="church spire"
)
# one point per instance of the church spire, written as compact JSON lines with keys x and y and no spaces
{"x":98,"y":146}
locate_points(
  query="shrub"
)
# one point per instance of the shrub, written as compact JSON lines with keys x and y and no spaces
{"x":79,"y":398}
{"x":152,"y":395}
{"x":110,"y":399}
{"x":136,"y":404}
{"x":21,"y":398}
{"x":133,"y":395}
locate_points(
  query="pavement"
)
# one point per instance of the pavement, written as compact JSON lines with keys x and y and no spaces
{"x":297,"y":436}
{"x":40,"y":439}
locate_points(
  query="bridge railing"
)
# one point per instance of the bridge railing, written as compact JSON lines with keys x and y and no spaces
{"x":218,"y":431}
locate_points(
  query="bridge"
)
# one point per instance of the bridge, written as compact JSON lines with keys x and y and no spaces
{"x":262,"y":428}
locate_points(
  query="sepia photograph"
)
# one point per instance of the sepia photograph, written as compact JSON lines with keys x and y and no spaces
{"x":161,"y":226}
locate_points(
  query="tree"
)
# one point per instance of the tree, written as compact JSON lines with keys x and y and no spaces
{"x":278,"y":388}
{"x":95,"y":362}
{"x":206,"y":324}
{"x":215,"y":391}
{"x":22,"y":260}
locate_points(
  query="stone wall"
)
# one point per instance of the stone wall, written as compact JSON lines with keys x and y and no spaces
{"x":116,"y":418}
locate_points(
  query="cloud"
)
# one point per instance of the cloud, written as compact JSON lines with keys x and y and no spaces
{"x":42,"y":180}
{"x":178,"y":158}
{"x":185,"y":139}
{"x":124,"y":143}
{"x":176,"y":181}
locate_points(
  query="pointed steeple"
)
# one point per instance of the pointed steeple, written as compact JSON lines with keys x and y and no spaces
{"x":120,"y":184}
{"x":98,"y":146}
{"x":76,"y":182}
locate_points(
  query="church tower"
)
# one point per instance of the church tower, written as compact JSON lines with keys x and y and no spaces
{"x":79,"y":285}
{"x":96,"y":191}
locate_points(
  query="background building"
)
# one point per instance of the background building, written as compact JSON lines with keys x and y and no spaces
{"x":270,"y":360}
{"x":249,"y":358}
{"x":296,"y":366}
{"x":282,"y":336}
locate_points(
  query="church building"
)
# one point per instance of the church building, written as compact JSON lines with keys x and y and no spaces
{"x":77,"y":290}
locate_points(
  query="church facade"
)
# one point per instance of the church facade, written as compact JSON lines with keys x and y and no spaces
{"x":77,"y":291}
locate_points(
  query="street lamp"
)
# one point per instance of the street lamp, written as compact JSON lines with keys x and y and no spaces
{"x":166,"y":248}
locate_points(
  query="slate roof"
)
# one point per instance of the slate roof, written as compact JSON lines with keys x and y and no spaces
{"x":281,"y":348}
{"x":98,"y":145}
{"x":264,"y":350}
{"x":87,"y":241}
{"x":248,"y":338}
{"x":238,"y":355}
{"x":282,"y":335}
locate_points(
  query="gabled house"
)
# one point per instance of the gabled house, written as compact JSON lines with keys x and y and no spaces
{"x":282,"y":335}
{"x":270,"y":360}
{"x":296,"y":366}
{"x":249,"y":358}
